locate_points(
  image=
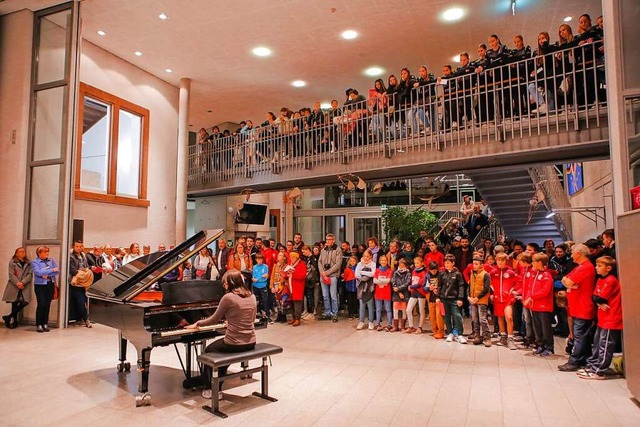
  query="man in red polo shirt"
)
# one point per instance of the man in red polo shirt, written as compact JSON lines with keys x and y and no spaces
{"x":580,"y":283}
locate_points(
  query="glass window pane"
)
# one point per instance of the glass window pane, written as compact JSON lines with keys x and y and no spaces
{"x":310,"y":227}
{"x":336,"y":226}
{"x":390,"y":193}
{"x":47,"y":140}
{"x":364,"y":229}
{"x":52,"y":45}
{"x":96,"y":130}
{"x":129,"y":144}
{"x":45,"y":189}
{"x":340,"y":196}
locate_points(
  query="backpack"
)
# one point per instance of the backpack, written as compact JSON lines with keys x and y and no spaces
{"x":312,"y":275}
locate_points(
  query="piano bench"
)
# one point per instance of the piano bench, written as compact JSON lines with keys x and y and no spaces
{"x":215,"y":360}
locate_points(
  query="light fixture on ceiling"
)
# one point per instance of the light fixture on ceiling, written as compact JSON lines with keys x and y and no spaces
{"x":163,"y":16}
{"x":101,"y":33}
{"x":453,"y":14}
{"x":349,"y":34}
{"x":325,"y":106}
{"x":373,"y":71}
{"x":298,"y":83}
{"x":455,"y":58}
{"x":168,"y":70}
{"x":568,"y":19}
{"x":261,"y":51}
{"x":137,"y":53}
{"x":513,"y":7}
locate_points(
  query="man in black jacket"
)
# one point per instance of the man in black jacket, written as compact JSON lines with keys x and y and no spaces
{"x":222,"y":257}
{"x":451,"y":294}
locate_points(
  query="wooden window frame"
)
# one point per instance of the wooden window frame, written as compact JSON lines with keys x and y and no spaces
{"x":116,"y":105}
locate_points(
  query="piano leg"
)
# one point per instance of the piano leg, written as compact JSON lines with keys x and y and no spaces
{"x":144,"y":361}
{"x":123,"y":366}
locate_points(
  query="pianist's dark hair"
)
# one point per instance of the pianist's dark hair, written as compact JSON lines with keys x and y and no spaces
{"x":235,"y":283}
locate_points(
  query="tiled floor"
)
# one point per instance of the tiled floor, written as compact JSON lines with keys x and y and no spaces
{"x":329,"y":375}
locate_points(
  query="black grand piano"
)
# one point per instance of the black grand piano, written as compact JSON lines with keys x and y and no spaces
{"x":148,"y":318}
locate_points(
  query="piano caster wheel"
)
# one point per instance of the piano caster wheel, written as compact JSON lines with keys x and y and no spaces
{"x":143,"y":400}
{"x":123,"y":367}
{"x":245,"y":377}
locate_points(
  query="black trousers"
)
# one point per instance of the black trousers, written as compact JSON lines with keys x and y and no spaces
{"x":311,"y":302}
{"x":604,"y":345}
{"x":542,"y":321}
{"x":582,"y":339}
{"x":78,"y":298}
{"x":44,"y":296}
{"x":353,"y":307}
{"x":219,"y":346}
{"x":262,"y":295}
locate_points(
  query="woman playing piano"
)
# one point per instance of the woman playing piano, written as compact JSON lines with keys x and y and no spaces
{"x":238,"y":307}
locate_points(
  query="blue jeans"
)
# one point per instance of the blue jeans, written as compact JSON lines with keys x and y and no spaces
{"x":387,"y":308}
{"x":541,"y":96}
{"x":330,"y":297}
{"x":452,"y":316}
{"x":369,"y":306}
{"x":377,"y":125}
{"x":582,"y":338}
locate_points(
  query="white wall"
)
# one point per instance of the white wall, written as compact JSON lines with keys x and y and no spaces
{"x":597,"y":191}
{"x":15,"y":75}
{"x":117,"y":224}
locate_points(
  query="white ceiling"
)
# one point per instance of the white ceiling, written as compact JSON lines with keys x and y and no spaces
{"x":211,"y":41}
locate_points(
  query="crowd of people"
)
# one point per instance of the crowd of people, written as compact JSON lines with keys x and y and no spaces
{"x":500,"y":83}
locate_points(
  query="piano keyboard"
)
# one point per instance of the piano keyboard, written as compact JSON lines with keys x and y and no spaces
{"x":216,"y":327}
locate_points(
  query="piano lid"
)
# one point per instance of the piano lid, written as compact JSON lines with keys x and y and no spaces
{"x":131,"y":279}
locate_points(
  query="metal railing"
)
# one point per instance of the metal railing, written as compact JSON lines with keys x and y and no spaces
{"x":557,"y":92}
{"x":492,"y":231}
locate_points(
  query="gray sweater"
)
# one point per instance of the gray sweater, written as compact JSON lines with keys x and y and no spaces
{"x":240,"y":314}
{"x":331,"y":256}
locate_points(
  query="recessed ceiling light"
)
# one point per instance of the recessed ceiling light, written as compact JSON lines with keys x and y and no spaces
{"x":373,"y":71}
{"x":349,"y":34}
{"x":261,"y":51}
{"x":325,"y":105}
{"x":168,"y":70}
{"x":567,"y":19}
{"x":455,"y":58}
{"x":453,"y":14}
{"x":299,"y":83}
{"x":101,"y":33}
{"x":137,"y":53}
{"x":163,"y":16}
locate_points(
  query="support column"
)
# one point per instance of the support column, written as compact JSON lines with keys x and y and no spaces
{"x":182,"y":160}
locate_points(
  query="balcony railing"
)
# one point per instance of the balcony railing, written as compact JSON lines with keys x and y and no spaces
{"x":562,"y":91}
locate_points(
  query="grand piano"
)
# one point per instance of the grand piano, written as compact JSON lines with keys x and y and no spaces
{"x":130,"y":301}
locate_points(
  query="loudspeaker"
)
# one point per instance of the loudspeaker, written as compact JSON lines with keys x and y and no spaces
{"x":78,"y":230}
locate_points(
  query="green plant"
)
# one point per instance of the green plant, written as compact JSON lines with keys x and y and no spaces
{"x":406,"y":223}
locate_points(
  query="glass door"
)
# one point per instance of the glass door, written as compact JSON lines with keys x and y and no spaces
{"x":365,"y":228}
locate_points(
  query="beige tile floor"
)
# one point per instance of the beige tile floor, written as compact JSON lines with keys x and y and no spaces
{"x":329,"y":375}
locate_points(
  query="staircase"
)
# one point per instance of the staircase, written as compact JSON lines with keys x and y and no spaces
{"x":508,"y":194}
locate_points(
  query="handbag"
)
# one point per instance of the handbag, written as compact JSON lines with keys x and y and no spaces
{"x":55,"y":292}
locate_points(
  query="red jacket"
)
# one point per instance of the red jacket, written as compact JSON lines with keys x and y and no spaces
{"x":436,"y":256}
{"x":416,"y":288}
{"x":579,"y":299}
{"x":297,"y":278}
{"x":503,"y":282}
{"x":526,"y":278}
{"x":270,"y":257}
{"x":608,"y":288}
{"x":382,"y":290}
{"x":541,"y":292}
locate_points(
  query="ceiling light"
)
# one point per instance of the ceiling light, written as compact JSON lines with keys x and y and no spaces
{"x":349,"y":34}
{"x":163,"y":16}
{"x":453,"y":14}
{"x":168,"y":70}
{"x":101,"y":33}
{"x":261,"y":51}
{"x":325,"y":106}
{"x":374,"y":71}
{"x":455,"y":58}
{"x":567,"y":19}
{"x":299,"y":83}
{"x":137,"y":53}
{"x":550,"y":215}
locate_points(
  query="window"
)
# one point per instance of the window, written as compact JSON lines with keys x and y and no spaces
{"x":112,"y":156}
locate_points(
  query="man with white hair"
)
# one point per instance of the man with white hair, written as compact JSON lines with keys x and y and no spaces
{"x":580,"y":283}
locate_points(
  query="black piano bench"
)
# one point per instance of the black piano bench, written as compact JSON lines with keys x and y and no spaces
{"x":216,"y":360}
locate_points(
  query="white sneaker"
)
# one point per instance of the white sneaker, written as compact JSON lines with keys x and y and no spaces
{"x":454,"y":125}
{"x":461,"y":339}
{"x":206,"y":393}
{"x":360,"y":326}
{"x":304,"y":314}
{"x":371,"y":326}
{"x":449,"y":338}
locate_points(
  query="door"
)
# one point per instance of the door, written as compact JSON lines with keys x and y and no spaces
{"x":365,"y":227}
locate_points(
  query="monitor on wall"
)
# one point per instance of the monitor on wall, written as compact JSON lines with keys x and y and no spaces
{"x":252,"y":214}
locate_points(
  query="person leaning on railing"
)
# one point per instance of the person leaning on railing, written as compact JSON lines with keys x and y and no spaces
{"x":422,"y":108}
{"x":542,"y":82}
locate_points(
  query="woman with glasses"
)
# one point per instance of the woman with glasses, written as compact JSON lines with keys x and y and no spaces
{"x":45,"y":274}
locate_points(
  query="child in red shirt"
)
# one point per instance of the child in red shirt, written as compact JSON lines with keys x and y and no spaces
{"x":504,"y":282}
{"x":382,"y":294}
{"x":539,"y":299}
{"x":609,"y":332}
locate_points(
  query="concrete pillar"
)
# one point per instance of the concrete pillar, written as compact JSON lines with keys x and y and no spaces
{"x":181,"y":172}
{"x":615,"y":103}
